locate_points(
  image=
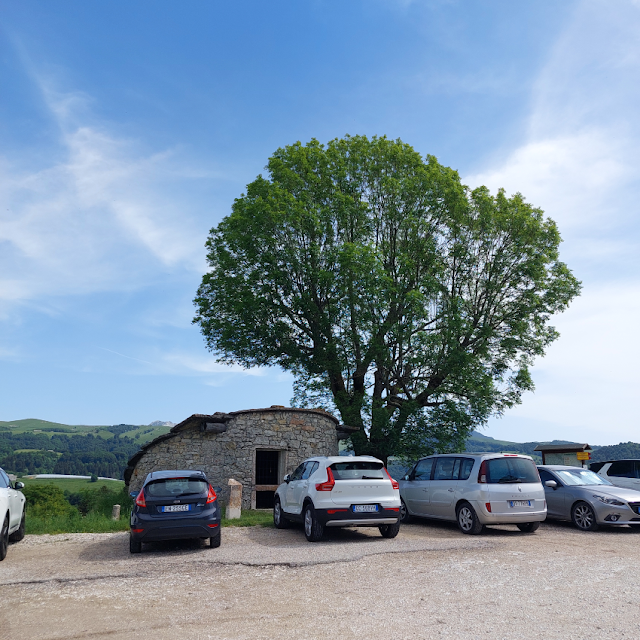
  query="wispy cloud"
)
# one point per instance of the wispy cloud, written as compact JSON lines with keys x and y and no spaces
{"x":579,"y":162}
{"x":108,"y":215}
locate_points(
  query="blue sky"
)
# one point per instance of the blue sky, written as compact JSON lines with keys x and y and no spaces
{"x":126,"y":130}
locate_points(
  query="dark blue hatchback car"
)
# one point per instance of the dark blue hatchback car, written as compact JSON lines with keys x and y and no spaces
{"x":175,"y":505}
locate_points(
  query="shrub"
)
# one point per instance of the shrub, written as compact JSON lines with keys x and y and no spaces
{"x":46,"y":500}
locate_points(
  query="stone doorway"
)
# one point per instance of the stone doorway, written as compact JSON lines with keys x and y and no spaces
{"x":268,"y":467}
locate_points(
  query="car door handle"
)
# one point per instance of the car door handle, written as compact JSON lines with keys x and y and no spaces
{"x":449,"y":489}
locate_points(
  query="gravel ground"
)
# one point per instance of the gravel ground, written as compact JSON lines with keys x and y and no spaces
{"x":429,"y":582}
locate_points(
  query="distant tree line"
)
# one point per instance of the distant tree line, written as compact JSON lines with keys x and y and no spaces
{"x":616,"y":452}
{"x":81,"y":454}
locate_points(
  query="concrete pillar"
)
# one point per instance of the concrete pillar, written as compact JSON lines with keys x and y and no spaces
{"x":234,"y":508}
{"x":115,"y":512}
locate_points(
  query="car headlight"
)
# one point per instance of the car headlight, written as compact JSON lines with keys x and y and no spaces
{"x":612,"y":501}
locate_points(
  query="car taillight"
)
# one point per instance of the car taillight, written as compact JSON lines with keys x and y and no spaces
{"x":482,"y":474}
{"x":488,"y":505}
{"x":329,"y":484}
{"x":211,"y":496}
{"x":140,"y":499}
{"x":394,"y":483}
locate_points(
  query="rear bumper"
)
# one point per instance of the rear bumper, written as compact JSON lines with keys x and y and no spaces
{"x":509,"y":518}
{"x":346,"y":517}
{"x":150,"y":530}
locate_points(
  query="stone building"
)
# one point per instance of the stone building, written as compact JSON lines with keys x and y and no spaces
{"x":256,"y":447}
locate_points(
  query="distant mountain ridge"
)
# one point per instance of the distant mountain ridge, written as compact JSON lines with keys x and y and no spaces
{"x":479,"y":442}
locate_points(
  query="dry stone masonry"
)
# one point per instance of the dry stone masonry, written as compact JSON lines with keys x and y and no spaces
{"x":255,"y":447}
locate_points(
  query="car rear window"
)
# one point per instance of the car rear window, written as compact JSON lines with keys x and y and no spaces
{"x":506,"y":470}
{"x":358,"y":470}
{"x":173,"y":487}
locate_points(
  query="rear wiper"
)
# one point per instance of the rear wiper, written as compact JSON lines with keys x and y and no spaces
{"x":510,"y":479}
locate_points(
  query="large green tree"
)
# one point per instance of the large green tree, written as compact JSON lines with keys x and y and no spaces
{"x":402,"y":300}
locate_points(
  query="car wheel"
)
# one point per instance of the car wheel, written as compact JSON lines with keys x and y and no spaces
{"x":279,"y":521}
{"x":468,"y":520}
{"x":135,"y":546}
{"x":528,"y":527}
{"x":214,"y":541}
{"x":16,"y":536}
{"x":4,"y":538}
{"x":405,"y":516}
{"x":584,"y":516}
{"x":389,"y":530}
{"x":312,"y":528}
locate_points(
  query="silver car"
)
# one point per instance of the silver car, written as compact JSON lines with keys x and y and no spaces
{"x":474,"y":490}
{"x":587,"y":499}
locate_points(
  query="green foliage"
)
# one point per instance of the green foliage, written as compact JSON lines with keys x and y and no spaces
{"x":45,"y":501}
{"x":399,"y":298}
{"x":622,"y":451}
{"x":94,"y":478}
{"x":30,"y":462}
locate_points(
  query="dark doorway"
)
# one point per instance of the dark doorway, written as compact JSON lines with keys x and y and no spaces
{"x":267,"y":477}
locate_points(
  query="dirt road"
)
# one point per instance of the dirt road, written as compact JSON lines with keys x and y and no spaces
{"x":430,"y":582}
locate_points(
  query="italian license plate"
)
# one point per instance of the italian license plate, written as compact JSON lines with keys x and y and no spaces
{"x":176,"y":507}
{"x":519,"y":503}
{"x":365,"y":508}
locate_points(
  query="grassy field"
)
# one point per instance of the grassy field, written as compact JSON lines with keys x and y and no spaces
{"x":141,"y":434}
{"x":95,"y":523}
{"x":75,"y":484}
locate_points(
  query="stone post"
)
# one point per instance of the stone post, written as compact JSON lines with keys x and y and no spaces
{"x":234,"y":507}
{"x":115,"y":512}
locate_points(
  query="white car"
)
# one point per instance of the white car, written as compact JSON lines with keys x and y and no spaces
{"x":12,"y":517}
{"x":475,"y":489}
{"x":338,"y":491}
{"x":621,"y":473}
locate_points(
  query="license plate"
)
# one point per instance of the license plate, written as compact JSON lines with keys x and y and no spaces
{"x":176,"y":507}
{"x":519,"y":503}
{"x":365,"y":508}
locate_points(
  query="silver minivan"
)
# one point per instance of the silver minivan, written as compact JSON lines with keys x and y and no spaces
{"x":475,"y":489}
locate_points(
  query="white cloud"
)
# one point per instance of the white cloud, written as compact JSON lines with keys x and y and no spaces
{"x":107,"y":216}
{"x":579,"y":163}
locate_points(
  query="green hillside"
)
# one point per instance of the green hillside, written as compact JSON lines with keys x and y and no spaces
{"x":34,"y":446}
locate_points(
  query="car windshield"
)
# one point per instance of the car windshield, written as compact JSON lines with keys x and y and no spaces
{"x":173,"y":487}
{"x":358,"y":470}
{"x":579,"y":477}
{"x":511,"y":470}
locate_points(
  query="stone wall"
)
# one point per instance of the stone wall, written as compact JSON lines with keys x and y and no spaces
{"x":297,"y":433}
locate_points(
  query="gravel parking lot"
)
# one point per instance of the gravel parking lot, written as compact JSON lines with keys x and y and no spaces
{"x":429,"y":582}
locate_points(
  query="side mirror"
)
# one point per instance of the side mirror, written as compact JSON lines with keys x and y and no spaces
{"x":218,"y":490}
{"x":18,"y":486}
{"x":552,"y":484}
{"x":287,"y":478}
{"x":406,"y":477}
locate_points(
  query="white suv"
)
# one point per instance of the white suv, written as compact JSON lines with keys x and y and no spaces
{"x":621,"y":473}
{"x":475,"y":489}
{"x":11,"y":513}
{"x":338,"y":491}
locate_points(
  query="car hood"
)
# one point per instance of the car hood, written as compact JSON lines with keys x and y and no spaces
{"x":628,"y":495}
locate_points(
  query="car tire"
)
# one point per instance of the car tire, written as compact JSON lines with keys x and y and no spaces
{"x":468,"y":520}
{"x":389,"y":530}
{"x":16,"y":536}
{"x":313,"y":529}
{"x":214,"y":541}
{"x":135,"y":546}
{"x":279,"y":521}
{"x":4,"y":538}
{"x":528,"y":527}
{"x":405,"y":516}
{"x":584,"y":517}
